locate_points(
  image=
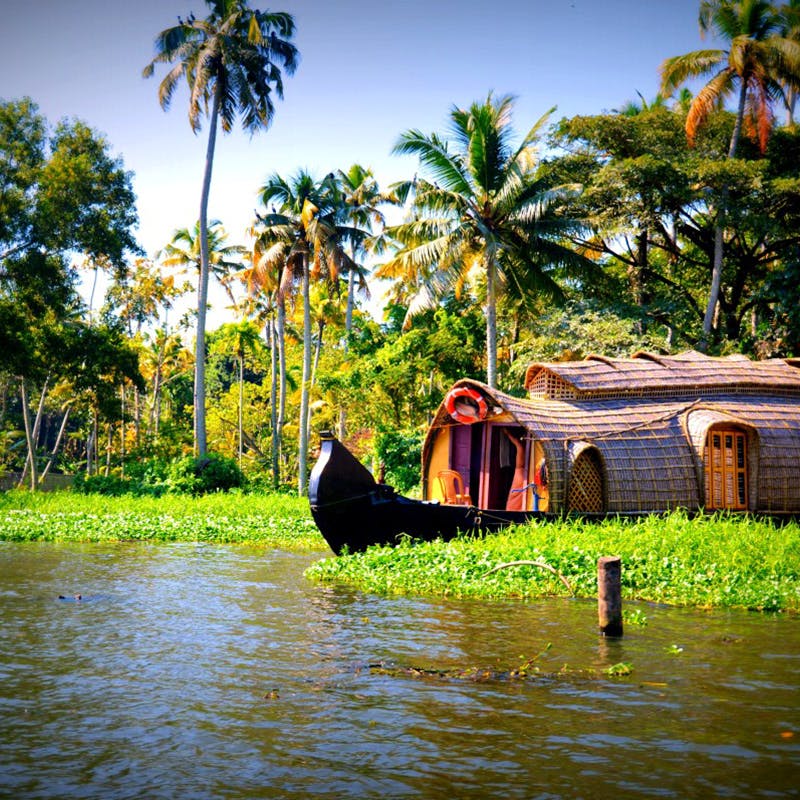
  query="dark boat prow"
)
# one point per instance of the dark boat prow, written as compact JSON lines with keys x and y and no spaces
{"x":353,"y":511}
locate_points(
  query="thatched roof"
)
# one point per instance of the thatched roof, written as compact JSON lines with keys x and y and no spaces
{"x":645,"y":374}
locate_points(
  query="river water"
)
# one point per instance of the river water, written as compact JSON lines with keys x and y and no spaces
{"x":198,"y":671}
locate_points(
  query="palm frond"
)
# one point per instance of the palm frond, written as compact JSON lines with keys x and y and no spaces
{"x":445,"y":167}
{"x":706,"y":100}
{"x":678,"y":69}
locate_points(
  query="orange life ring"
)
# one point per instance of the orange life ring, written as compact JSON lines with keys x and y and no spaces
{"x":466,"y":405}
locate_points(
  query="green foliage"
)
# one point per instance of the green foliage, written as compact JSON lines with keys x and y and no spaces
{"x":203,"y":474}
{"x":400,"y":453}
{"x":581,"y":329}
{"x":711,"y":561}
{"x":156,"y":476}
{"x":267,"y":520}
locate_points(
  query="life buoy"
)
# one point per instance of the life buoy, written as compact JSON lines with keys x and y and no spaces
{"x":466,"y":405}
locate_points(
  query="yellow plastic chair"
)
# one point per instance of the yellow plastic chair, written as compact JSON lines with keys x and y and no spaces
{"x":452,"y":485}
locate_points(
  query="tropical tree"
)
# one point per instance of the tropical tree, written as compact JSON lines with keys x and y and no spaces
{"x":263,"y":299}
{"x":238,"y":339}
{"x":484,"y":207}
{"x":360,"y":200}
{"x":186,"y":251}
{"x":303,"y":234}
{"x":752,"y":68}
{"x":232,"y":62}
{"x":791,"y":30}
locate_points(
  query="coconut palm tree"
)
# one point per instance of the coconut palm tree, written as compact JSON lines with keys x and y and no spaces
{"x":752,"y":68}
{"x":359,"y":199}
{"x":262,"y":281}
{"x":482,"y":207}
{"x":304,"y":235}
{"x":232,"y":61}
{"x":790,"y":29}
{"x":185,"y":251}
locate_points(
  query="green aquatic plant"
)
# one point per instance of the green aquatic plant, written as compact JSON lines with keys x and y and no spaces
{"x":707,"y":561}
{"x":619,"y":670}
{"x":273,"y":520}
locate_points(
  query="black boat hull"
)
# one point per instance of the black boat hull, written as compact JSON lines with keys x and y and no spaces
{"x":353,"y":511}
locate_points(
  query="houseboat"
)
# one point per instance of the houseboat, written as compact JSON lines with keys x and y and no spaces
{"x":601,"y":436}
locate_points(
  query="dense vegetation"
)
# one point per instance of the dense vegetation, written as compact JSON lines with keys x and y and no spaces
{"x":276,"y":520}
{"x":664,"y":225}
{"x":711,"y":562}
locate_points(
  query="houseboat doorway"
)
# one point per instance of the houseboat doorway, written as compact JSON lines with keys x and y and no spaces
{"x":501,"y":464}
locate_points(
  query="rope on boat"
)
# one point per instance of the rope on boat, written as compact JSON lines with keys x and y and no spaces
{"x":540,"y":564}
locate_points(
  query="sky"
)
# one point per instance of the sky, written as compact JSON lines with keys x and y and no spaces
{"x":369,"y":70}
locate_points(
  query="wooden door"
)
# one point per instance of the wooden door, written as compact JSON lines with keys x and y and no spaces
{"x":725,"y":462}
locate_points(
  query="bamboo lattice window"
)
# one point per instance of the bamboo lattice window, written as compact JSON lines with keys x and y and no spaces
{"x":547,"y":386}
{"x":725,"y":463}
{"x":586,"y":485}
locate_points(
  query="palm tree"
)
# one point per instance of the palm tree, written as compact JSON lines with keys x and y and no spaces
{"x":303,"y":234}
{"x":186,"y":250}
{"x":484,"y":208}
{"x":790,"y":29}
{"x":232,"y":61}
{"x":239,"y":338}
{"x":359,"y":199}
{"x":261,"y":281}
{"x":758,"y":58}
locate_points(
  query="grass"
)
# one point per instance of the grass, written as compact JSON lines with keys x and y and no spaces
{"x":281,"y":521}
{"x":709,"y":562}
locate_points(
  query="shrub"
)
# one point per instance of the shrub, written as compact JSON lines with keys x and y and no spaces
{"x":400,"y":452}
{"x":211,"y":473}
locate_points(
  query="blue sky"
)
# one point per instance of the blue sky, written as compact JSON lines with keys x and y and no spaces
{"x":368,"y":71}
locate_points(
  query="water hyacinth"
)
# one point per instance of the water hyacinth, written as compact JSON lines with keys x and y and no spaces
{"x":713,"y":561}
{"x":719,"y":561}
{"x":271,"y":520}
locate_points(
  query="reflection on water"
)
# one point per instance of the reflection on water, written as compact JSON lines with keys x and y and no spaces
{"x":208,"y":672}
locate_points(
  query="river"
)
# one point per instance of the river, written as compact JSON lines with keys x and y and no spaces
{"x":192,"y":671}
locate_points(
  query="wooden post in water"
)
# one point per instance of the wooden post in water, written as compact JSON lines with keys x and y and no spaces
{"x":609,"y":595}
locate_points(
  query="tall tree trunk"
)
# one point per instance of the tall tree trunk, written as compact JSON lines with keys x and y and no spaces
{"x":202,"y":291}
{"x":719,"y":230}
{"x":109,"y":447}
{"x":122,"y":430}
{"x":54,"y":451}
{"x":348,"y":326}
{"x":273,"y":399}
{"x":281,"y":332}
{"x":317,"y":351}
{"x":137,"y":416}
{"x":302,"y":461}
{"x":491,"y":323}
{"x":23,"y":390}
{"x":241,"y":406}
{"x":37,"y":425}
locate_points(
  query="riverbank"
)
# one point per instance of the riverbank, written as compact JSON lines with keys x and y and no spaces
{"x":275,"y":520}
{"x":707,"y":562}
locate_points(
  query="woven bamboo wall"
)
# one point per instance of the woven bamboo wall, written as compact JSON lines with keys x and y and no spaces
{"x":651,"y":449}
